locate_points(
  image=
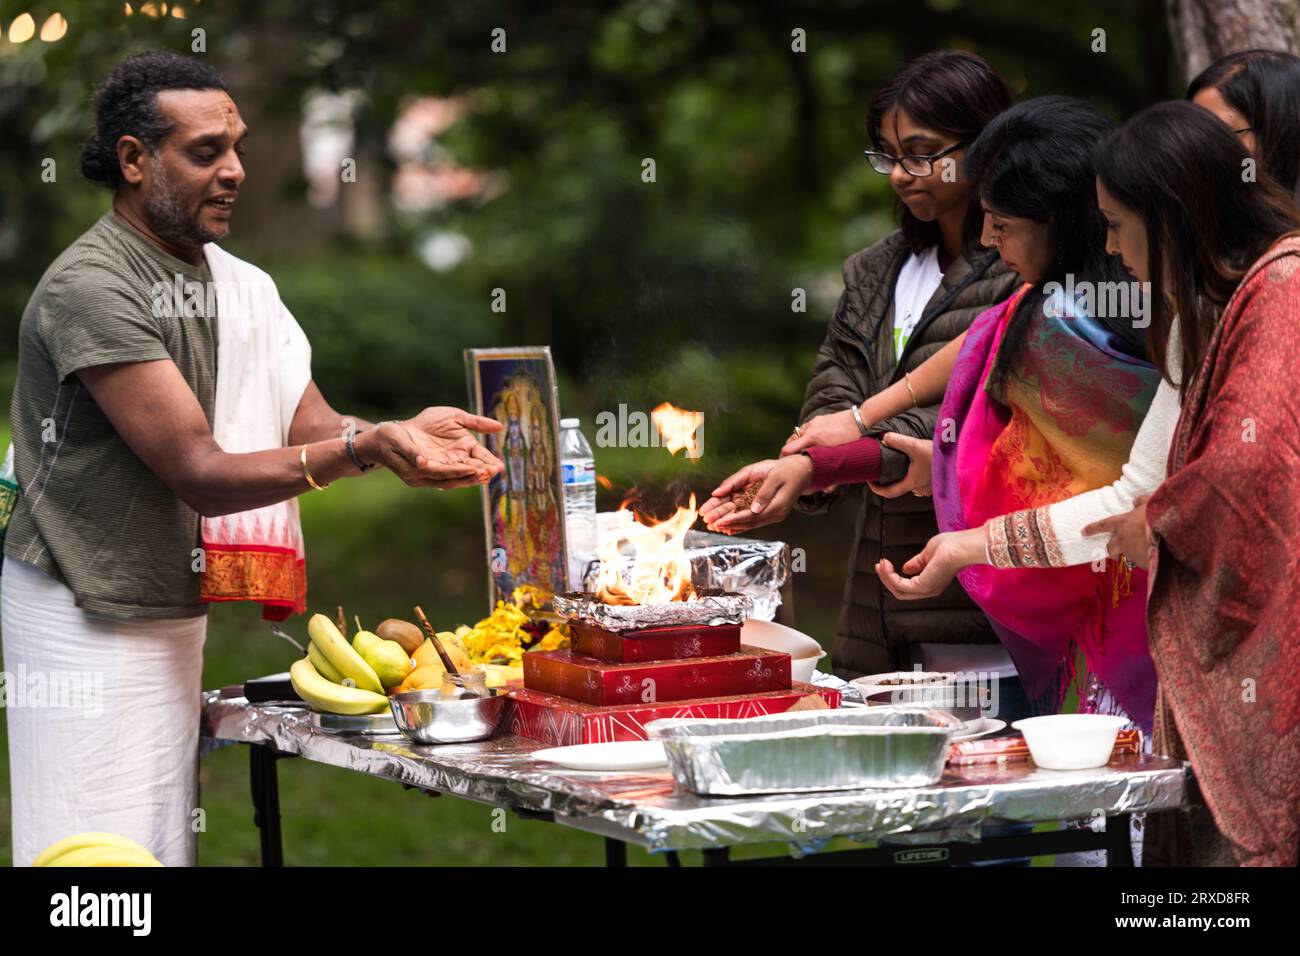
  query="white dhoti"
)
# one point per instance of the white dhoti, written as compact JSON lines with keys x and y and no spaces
{"x":103,"y":721}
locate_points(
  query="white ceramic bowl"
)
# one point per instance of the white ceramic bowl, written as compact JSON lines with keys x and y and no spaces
{"x":1071,"y":741}
{"x":804,"y":651}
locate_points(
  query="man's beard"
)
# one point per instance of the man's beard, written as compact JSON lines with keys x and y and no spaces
{"x":169,"y":220}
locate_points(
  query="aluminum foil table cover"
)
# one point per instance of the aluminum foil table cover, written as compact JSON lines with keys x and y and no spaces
{"x":757,"y":569}
{"x":643,"y":808}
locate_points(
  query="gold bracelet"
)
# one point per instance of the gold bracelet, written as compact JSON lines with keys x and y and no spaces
{"x":307,"y":474}
{"x":907,"y":378}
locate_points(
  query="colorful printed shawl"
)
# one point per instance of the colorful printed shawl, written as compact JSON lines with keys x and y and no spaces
{"x":1071,"y":414}
{"x":1225,"y":584}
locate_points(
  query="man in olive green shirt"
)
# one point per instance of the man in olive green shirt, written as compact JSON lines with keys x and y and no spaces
{"x":93,"y":308}
{"x":116,"y":461}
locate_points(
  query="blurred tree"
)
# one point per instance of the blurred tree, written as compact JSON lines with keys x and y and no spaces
{"x":1204,"y":30}
{"x":678,"y":288}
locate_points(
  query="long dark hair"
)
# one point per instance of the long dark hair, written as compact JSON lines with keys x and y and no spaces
{"x":950,"y":92}
{"x":1264,"y":87}
{"x":1035,"y":161}
{"x":1181,"y":170}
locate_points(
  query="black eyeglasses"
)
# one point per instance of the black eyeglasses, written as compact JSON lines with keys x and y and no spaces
{"x":920,"y":166}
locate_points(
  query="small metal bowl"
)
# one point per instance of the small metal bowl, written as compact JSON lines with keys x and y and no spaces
{"x":428,"y":718}
{"x":964,"y":696}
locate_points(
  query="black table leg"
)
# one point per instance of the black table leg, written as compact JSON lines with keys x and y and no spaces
{"x":266,"y":802}
{"x":615,"y":852}
{"x":1119,"y":843}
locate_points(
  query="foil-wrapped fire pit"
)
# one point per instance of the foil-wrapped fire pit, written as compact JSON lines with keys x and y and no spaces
{"x":708,"y":608}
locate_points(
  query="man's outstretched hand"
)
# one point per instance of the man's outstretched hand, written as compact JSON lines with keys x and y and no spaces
{"x":436,"y":448}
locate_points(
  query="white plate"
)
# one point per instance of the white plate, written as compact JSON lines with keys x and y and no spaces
{"x":623,"y":755}
{"x":979,"y":728}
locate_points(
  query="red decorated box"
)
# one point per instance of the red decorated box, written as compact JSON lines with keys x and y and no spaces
{"x":655,"y":643}
{"x":605,"y":683}
{"x":558,"y":722}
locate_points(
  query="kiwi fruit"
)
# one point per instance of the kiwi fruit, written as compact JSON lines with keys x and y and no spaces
{"x":403,"y":632}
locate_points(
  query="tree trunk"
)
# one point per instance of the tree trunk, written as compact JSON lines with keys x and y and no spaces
{"x":1204,"y":30}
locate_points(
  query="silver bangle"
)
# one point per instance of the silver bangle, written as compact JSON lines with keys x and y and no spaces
{"x":857,"y":417}
{"x":349,"y":438}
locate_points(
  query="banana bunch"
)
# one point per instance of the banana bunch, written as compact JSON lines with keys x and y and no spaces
{"x":333,"y":677}
{"x":95,"y":849}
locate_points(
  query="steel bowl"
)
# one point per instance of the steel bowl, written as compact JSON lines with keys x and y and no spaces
{"x":428,"y":718}
{"x":963,"y":696}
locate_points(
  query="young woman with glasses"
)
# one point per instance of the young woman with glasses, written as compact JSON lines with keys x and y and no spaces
{"x":905,"y":297}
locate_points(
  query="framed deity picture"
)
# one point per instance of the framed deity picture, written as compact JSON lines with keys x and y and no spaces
{"x":523,"y":507}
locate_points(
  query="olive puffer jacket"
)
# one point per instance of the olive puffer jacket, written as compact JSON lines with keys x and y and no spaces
{"x":876,"y":631}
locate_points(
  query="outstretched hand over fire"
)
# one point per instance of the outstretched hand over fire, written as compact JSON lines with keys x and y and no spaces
{"x":759,"y":494}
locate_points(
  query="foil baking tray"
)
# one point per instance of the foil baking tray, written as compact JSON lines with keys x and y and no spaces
{"x":710,"y":607}
{"x":804,"y":752}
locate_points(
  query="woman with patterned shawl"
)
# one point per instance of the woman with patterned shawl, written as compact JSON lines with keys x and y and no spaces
{"x":1044,"y":403}
{"x":1223,"y":259}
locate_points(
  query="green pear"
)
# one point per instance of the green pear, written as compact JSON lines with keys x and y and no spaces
{"x":387,"y":658}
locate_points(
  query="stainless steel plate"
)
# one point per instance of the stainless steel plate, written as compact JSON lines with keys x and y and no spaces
{"x":381,"y":723}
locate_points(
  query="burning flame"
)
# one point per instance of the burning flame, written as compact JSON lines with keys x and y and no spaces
{"x":659,"y":569}
{"x":678,"y":428}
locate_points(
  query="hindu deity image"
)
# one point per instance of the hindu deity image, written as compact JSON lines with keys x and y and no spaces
{"x":526,"y":519}
{"x":514,"y":452}
{"x":542,"y":462}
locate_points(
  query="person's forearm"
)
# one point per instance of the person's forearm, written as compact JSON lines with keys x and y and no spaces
{"x":972,"y":547}
{"x":324,"y":425}
{"x":928,"y":382}
{"x":224,"y":483}
{"x":137,"y":396}
{"x":853,"y":463}
{"x":316,"y":420}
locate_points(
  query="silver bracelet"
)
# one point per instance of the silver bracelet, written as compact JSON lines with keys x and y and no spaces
{"x":857,"y":417}
{"x":349,"y":438}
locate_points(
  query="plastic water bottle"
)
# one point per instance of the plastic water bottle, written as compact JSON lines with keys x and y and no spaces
{"x":8,"y":492}
{"x":578,"y":470}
